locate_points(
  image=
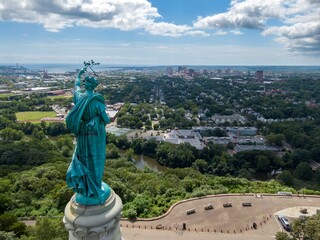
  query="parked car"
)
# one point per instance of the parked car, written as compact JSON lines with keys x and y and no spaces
{"x":284,"y":222}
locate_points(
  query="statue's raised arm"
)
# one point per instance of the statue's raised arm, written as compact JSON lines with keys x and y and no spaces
{"x":77,"y":82}
{"x":87,"y":121}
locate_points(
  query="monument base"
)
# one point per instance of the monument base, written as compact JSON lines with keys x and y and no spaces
{"x":94,"y":222}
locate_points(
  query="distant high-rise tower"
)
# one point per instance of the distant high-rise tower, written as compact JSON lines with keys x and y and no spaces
{"x":191,"y":72}
{"x":259,"y":75}
{"x":45,"y":74}
{"x":169,"y":71}
{"x":205,"y":71}
{"x":182,"y":69}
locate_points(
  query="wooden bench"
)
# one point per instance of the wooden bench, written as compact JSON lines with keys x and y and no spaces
{"x":246,"y":204}
{"x":227,"y":205}
{"x":191,"y":211}
{"x":208,"y":207}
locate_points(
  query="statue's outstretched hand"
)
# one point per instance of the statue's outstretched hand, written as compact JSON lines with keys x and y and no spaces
{"x":83,"y":70}
{"x":77,"y":82}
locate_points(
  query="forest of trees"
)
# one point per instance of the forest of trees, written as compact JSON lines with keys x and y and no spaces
{"x":305,"y":228}
{"x":34,"y":156}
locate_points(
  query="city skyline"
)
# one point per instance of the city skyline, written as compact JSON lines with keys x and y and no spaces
{"x":161,"y":32}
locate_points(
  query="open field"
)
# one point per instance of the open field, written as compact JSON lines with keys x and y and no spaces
{"x":6,"y":95}
{"x":66,"y":96}
{"x":34,"y":116}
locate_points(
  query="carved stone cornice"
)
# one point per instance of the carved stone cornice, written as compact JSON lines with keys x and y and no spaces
{"x":100,"y":222}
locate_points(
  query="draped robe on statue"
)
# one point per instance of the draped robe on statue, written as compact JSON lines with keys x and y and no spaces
{"x":85,"y":172}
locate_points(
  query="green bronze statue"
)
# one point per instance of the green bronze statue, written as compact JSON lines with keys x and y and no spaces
{"x":87,"y":122}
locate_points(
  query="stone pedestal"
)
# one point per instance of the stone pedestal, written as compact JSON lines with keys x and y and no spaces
{"x":97,"y":222}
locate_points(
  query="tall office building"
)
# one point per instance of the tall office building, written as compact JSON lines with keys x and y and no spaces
{"x":169,"y":70}
{"x":259,"y":75}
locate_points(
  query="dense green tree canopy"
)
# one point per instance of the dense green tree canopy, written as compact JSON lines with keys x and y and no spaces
{"x":303,"y":228}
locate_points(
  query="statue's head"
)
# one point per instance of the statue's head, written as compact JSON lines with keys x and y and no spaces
{"x":90,"y":82}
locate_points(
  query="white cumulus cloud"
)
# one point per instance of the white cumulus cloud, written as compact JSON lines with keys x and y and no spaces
{"x":296,"y":23}
{"x":55,"y":15}
{"x":125,"y":15}
{"x":243,"y":14}
{"x":221,"y":32}
{"x":236,"y":32}
{"x":167,"y":29}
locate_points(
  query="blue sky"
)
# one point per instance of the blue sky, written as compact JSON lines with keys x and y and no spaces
{"x":161,"y":32}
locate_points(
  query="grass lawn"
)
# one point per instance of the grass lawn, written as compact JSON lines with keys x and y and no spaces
{"x":34,"y":116}
{"x":6,"y":95}
{"x":60,"y":96}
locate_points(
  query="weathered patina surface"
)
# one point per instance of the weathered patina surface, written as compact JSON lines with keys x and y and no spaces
{"x":87,"y":121}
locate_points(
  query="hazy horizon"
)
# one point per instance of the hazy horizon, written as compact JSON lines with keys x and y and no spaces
{"x":156,"y":65}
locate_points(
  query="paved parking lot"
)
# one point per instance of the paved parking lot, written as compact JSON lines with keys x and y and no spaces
{"x":234,"y":221}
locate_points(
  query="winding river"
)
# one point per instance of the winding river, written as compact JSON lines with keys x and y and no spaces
{"x":142,"y":161}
